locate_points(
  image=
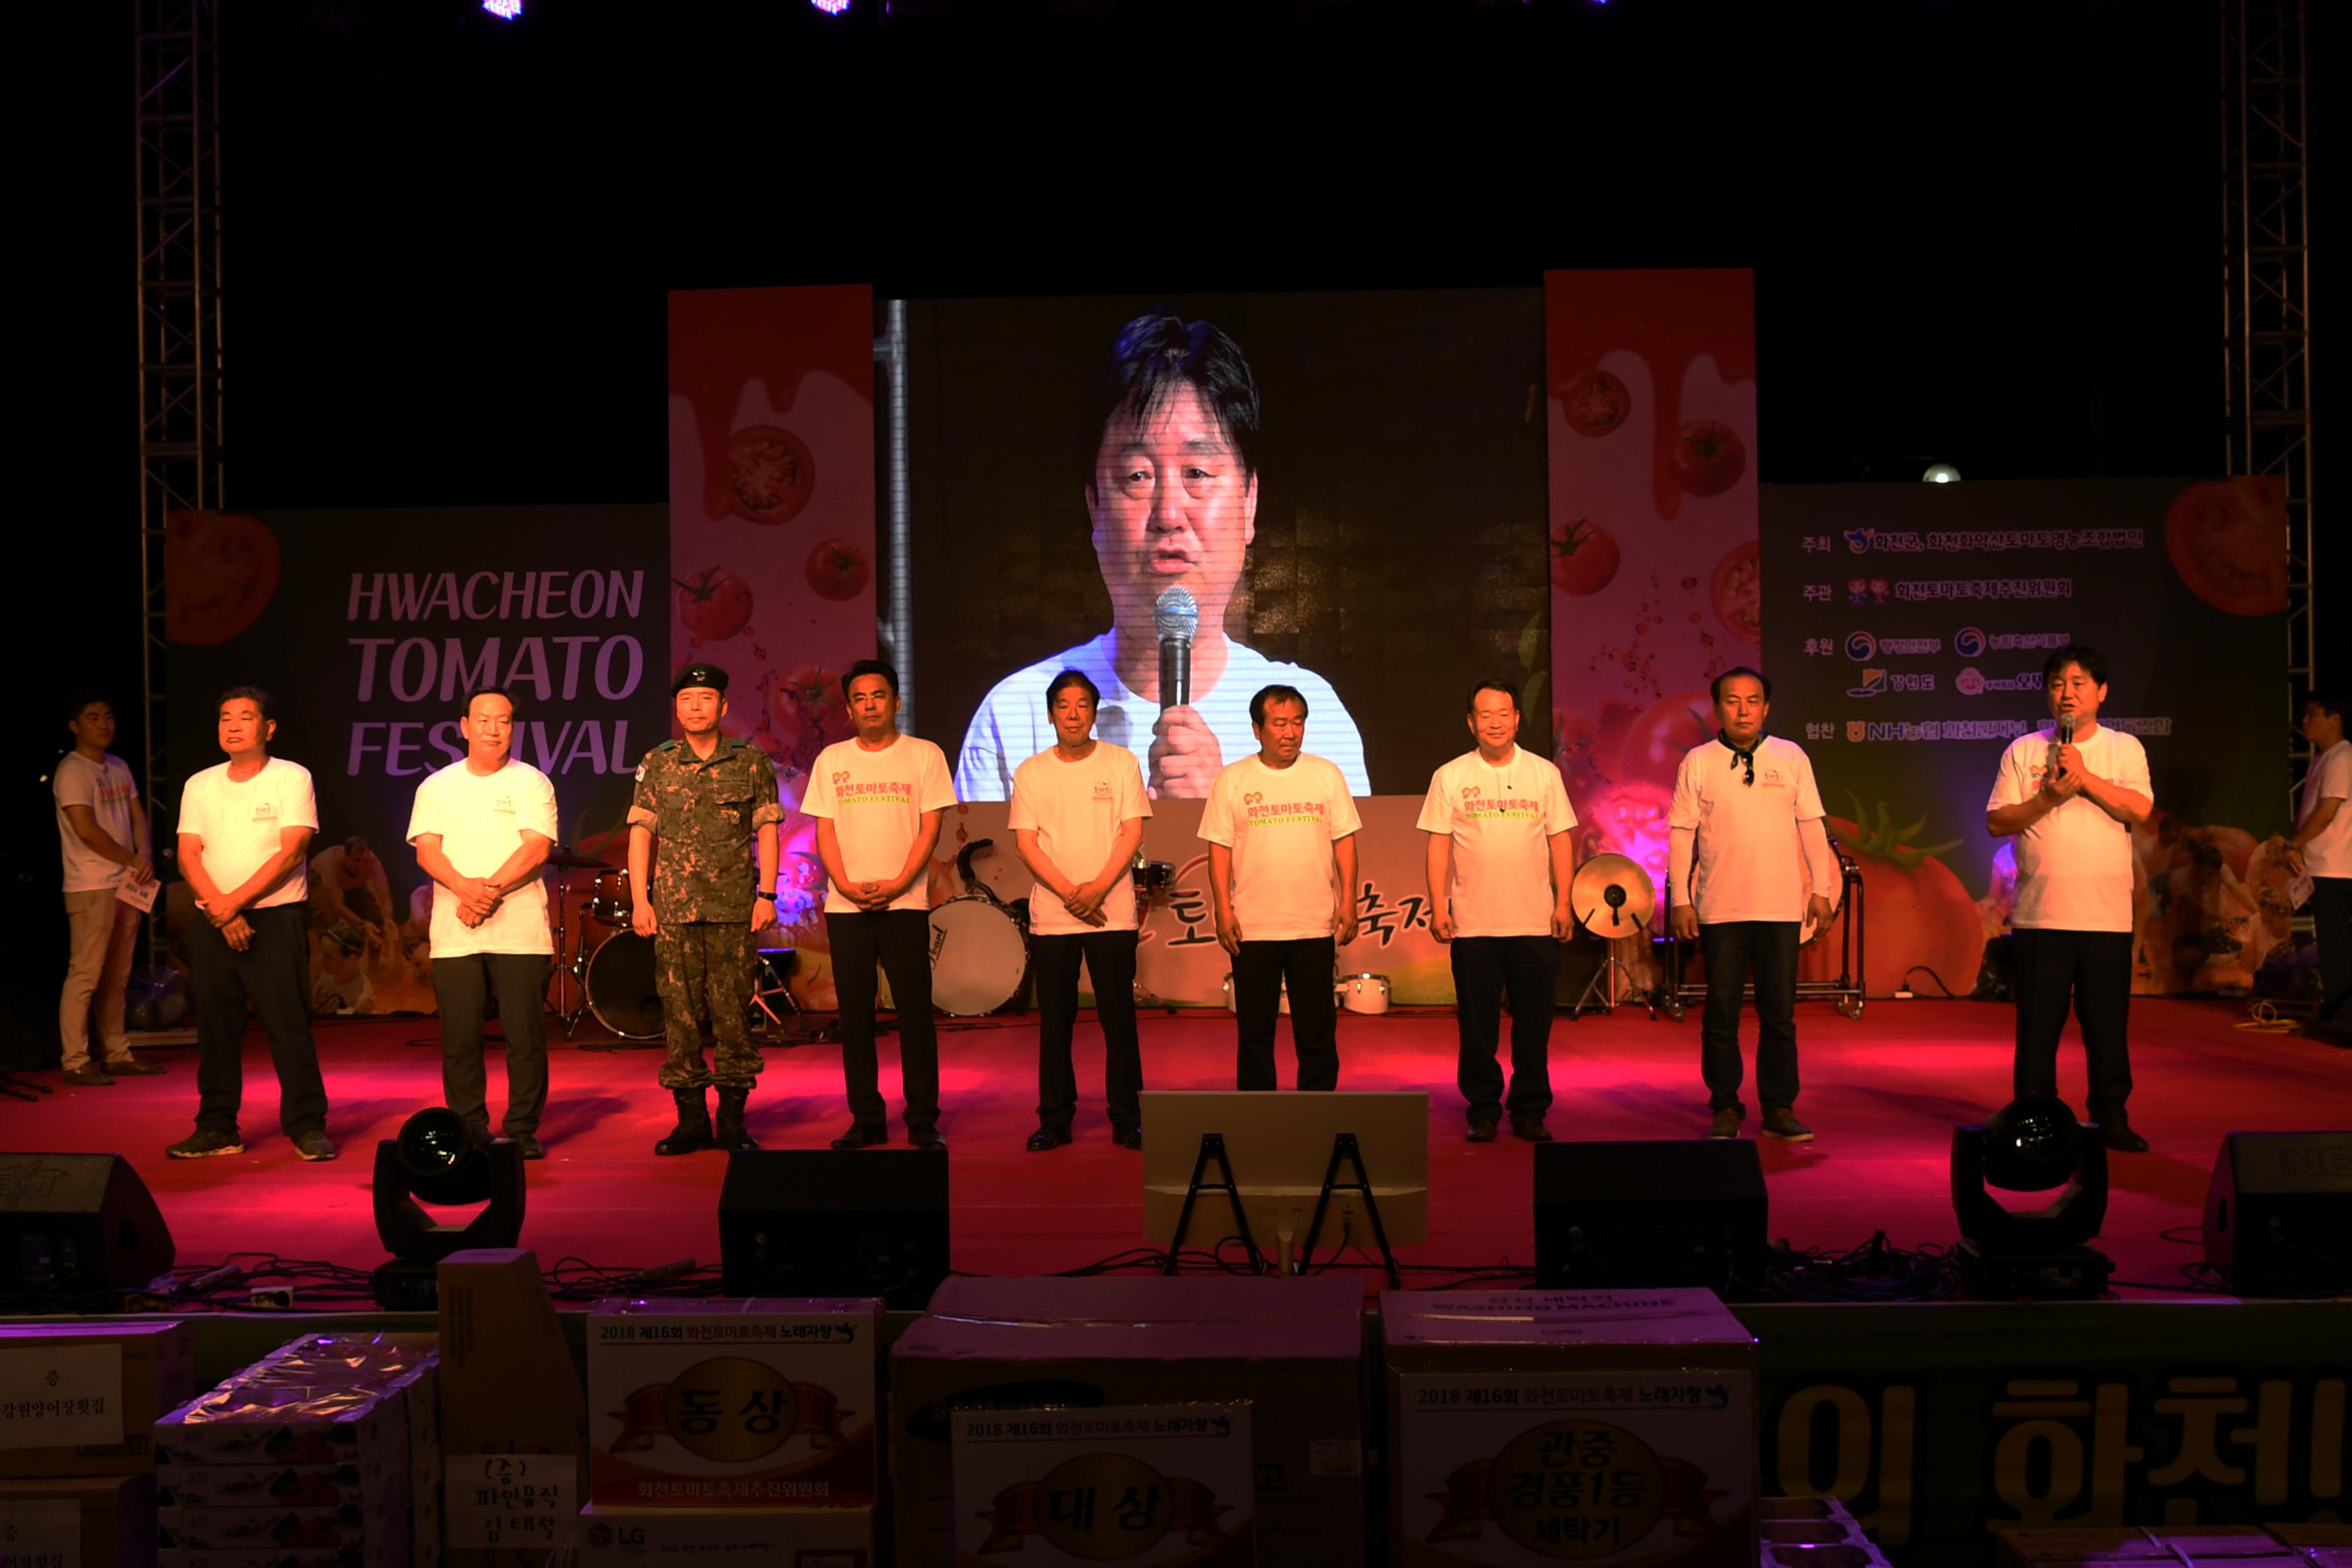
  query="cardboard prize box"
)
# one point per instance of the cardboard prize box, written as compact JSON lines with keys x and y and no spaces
{"x":757,"y":1402}
{"x":94,"y":1520}
{"x":736,"y":1537}
{"x":1141,"y":1484}
{"x":1290,"y":1348}
{"x":1612,"y":1427}
{"x":508,"y":1385}
{"x":81,"y":1400}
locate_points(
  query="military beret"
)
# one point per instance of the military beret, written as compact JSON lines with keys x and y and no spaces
{"x":700,"y":674}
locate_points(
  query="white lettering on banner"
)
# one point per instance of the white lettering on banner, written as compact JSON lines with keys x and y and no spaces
{"x":60,"y":1395}
{"x":510,"y":1502}
{"x":580,"y":595}
{"x":603,"y":745}
{"x":41,"y":1532}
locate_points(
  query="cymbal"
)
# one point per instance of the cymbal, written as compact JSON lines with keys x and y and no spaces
{"x":1610,"y":896}
{"x":563,"y":859}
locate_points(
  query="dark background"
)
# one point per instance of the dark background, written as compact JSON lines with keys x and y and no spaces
{"x":1984,"y":232}
{"x":1402,"y":440}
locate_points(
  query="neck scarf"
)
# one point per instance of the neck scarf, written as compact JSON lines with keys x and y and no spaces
{"x":1738,"y":757}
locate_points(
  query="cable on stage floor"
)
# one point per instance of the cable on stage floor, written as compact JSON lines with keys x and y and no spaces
{"x":1874,"y":1271}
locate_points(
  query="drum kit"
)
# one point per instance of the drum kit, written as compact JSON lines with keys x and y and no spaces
{"x":1612,"y":900}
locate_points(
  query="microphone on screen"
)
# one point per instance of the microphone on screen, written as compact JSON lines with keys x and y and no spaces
{"x":1176,"y":617}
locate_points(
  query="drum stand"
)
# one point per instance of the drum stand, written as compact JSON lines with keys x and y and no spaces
{"x":574,"y":973}
{"x":1600,"y":991}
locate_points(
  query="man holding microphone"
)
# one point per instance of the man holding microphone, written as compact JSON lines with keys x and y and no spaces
{"x":2071,"y":794}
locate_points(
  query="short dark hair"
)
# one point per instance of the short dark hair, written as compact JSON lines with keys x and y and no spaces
{"x":1490,"y":684}
{"x":869,"y":667}
{"x":1153,"y":355}
{"x":1715,"y":690}
{"x":253,"y":694}
{"x":2327,"y":702}
{"x":481,"y":691}
{"x":1267,"y":694}
{"x":75,"y":701}
{"x":2093,"y":663}
{"x":1067,"y":679}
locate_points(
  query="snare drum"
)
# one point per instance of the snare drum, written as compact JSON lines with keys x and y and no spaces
{"x":980,"y":959}
{"x":1283,"y":1007}
{"x":1364,"y":993}
{"x":621,"y":989}
{"x":608,"y":900}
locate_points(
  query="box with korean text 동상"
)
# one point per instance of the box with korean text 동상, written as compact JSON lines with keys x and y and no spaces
{"x":1610,"y":1427}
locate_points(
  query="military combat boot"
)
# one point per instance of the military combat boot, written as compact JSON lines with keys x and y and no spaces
{"x":732,"y":1133}
{"x":693,"y":1128}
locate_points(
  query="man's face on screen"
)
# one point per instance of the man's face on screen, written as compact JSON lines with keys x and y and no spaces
{"x":1171,"y":505}
{"x":1282,"y":732}
{"x":1073,"y":716}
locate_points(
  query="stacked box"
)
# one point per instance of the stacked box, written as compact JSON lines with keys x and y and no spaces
{"x":1063,"y":1488}
{"x":106,"y":1519}
{"x":1812,"y":1532}
{"x":2318,"y":1545}
{"x":149,"y":1366}
{"x":307,"y":1457}
{"x":1612,"y":1427}
{"x":739,"y":1537}
{"x":1291,"y":1349}
{"x":732,"y":1404}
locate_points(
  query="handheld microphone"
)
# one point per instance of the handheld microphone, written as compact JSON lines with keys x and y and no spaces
{"x":2065,"y":738}
{"x":1176,"y":617}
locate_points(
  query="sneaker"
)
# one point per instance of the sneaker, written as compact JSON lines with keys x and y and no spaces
{"x":132,"y":1066}
{"x":1782,"y":1122}
{"x":2119,"y":1136}
{"x":530,"y":1144}
{"x":1482,"y":1130}
{"x":204,"y":1142}
{"x":314,"y":1145}
{"x":1531,"y":1131}
{"x":1727,"y":1123}
{"x":90,"y":1077}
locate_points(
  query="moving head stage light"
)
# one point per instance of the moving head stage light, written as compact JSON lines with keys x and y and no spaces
{"x":2032,"y":1145}
{"x":441,"y":1158}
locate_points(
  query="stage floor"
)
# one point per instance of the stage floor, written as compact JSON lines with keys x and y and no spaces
{"x":1883,"y":1093}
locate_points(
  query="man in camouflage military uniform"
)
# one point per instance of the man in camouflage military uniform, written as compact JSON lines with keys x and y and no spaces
{"x":705,"y":799}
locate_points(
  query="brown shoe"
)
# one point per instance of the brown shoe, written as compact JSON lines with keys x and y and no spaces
{"x":1727,"y":1123}
{"x":132,"y":1066}
{"x":90,"y":1077}
{"x":1782,"y":1122}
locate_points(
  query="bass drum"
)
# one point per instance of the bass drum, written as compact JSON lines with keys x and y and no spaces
{"x":979,"y":957}
{"x":619,"y":985}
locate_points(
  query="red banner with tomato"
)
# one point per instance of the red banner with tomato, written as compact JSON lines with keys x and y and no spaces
{"x":1909,"y":628}
{"x":1650,"y":422}
{"x":771,"y":540}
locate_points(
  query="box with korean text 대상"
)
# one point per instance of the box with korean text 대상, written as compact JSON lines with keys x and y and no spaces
{"x":748,"y":1404}
{"x":1142,"y":1484}
{"x":1610,"y":1427}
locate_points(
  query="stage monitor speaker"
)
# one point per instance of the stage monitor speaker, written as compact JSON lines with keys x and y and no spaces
{"x":2278,"y":1214}
{"x":1643,"y":1214}
{"x":818,"y":1222}
{"x":77,"y":1225}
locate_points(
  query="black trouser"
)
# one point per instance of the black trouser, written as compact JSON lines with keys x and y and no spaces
{"x":1734,"y":951}
{"x":2331,"y":919}
{"x":2092,"y":968}
{"x":273,"y":974}
{"x":463,"y":987}
{"x":901,"y":940}
{"x":1110,"y":961}
{"x":1259,"y":972}
{"x":1485,"y":967}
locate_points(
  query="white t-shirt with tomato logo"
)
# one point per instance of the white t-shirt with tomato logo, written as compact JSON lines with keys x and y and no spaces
{"x":2330,"y":854}
{"x":108,"y":789}
{"x":1280,"y":824}
{"x":1076,"y":810}
{"x":480,"y":819}
{"x":876,"y":800}
{"x":1748,"y":857}
{"x":2075,"y":864}
{"x":1501,"y":819}
{"x":242,"y":825}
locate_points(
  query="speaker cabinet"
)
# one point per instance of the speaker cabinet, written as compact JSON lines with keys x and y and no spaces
{"x":821,"y":1221}
{"x":73,"y":1225}
{"x":1644,"y":1213}
{"x":2278,"y":1214}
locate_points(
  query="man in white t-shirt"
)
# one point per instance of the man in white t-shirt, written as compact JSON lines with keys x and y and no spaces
{"x":1281,"y":824}
{"x":1748,"y":859}
{"x":481,"y":828}
{"x":2321,"y":849}
{"x":245,"y":830}
{"x":103,"y":838}
{"x":2072,"y":794}
{"x":1169,"y":447}
{"x":877,"y":799}
{"x":1501,"y":851}
{"x":1078,"y":820}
